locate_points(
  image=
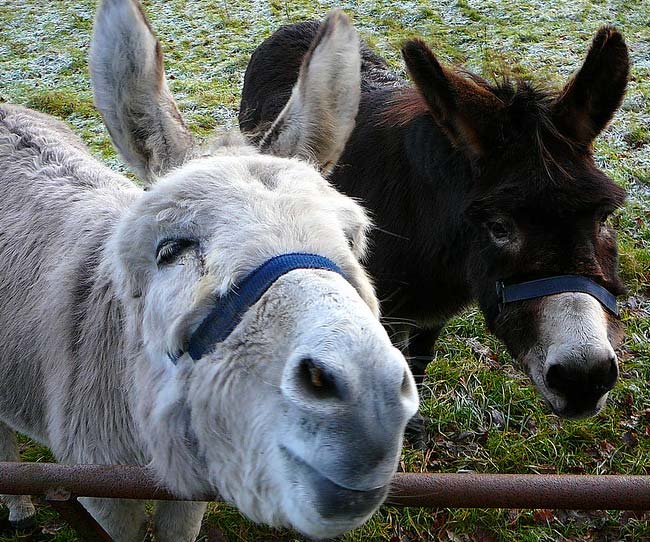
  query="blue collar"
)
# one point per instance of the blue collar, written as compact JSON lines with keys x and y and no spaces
{"x":556,"y":285}
{"x":229,"y":309}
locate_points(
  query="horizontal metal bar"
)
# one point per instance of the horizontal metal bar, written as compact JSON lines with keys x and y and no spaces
{"x":570,"y":492}
{"x":111,"y":481}
{"x":556,"y":491}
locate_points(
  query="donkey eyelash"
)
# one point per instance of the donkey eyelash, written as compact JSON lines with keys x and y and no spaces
{"x":170,"y":249}
{"x":605,"y":215}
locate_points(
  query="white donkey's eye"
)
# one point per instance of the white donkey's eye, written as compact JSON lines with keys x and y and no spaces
{"x":170,"y":249}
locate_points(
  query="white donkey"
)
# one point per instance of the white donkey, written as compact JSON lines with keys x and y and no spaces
{"x":217,"y":327}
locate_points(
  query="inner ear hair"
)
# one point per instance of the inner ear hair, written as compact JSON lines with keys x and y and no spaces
{"x":461,"y":107}
{"x":320,"y":115}
{"x":131,"y":93}
{"x":590,"y":98}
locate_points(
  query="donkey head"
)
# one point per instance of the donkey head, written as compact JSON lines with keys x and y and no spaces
{"x":537,"y":207}
{"x":296,"y":412}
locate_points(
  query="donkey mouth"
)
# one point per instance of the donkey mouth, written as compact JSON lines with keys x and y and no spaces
{"x":332,"y":500}
{"x":576,"y":409}
{"x":579,"y":411}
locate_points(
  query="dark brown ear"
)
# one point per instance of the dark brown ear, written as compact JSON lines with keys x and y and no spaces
{"x":465,"y":110}
{"x":590,"y":98}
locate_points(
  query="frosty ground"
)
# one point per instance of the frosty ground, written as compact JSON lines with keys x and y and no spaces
{"x":485,"y":415}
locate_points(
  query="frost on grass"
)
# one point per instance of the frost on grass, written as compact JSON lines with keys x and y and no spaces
{"x":473,"y":382}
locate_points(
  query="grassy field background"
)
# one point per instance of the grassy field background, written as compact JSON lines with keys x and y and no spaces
{"x":486,"y":416}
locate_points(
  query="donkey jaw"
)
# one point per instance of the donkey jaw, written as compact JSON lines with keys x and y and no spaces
{"x":327,"y":508}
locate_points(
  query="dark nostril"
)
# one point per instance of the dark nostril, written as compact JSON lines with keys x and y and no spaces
{"x":612,"y":375}
{"x":556,"y":377}
{"x":315,"y":381}
{"x":603,"y":377}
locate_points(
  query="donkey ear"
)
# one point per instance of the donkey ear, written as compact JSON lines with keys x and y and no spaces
{"x":319,"y":117}
{"x":128,"y":79}
{"x":590,"y":98}
{"x":356,"y":225}
{"x":462,"y":108}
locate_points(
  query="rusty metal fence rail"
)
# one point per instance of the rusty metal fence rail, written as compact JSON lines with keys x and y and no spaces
{"x":62,"y":484}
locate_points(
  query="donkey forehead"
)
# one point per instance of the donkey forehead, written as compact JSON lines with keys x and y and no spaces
{"x":233,"y":175}
{"x":548,"y":191}
{"x":219,"y":186}
{"x":240,"y":196}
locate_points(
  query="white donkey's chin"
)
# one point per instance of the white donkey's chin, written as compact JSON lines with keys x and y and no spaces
{"x":319,"y":507}
{"x":574,"y":365}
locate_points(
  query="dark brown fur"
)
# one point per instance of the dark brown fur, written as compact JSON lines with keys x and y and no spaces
{"x":440,"y":164}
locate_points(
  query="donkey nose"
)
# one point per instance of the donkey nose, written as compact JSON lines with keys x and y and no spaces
{"x":315,"y":383}
{"x":351,"y":405}
{"x":578,"y":380}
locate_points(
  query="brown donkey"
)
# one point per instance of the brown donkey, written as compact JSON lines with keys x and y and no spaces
{"x":485,"y":193}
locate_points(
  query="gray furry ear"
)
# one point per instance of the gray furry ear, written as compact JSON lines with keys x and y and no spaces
{"x":128,"y":79}
{"x":319,"y":117}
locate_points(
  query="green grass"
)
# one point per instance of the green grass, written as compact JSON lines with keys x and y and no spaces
{"x":486,"y":417}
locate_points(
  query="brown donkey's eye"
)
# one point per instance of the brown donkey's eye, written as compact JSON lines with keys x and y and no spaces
{"x":604,"y":217}
{"x":170,"y":249}
{"x":499,"y":230}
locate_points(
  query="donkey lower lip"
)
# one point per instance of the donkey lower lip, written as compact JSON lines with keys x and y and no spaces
{"x":335,"y":500}
{"x":572,"y":413}
{"x":577,"y":411}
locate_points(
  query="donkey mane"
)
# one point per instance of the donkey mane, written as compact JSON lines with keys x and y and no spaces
{"x":529,"y":121}
{"x":528,"y":106}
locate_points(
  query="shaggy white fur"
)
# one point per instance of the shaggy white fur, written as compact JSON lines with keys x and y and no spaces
{"x":297,"y":417}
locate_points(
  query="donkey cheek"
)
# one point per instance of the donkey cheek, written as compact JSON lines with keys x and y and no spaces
{"x":518,"y":326}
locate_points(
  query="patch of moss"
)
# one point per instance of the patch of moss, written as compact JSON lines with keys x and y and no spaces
{"x":635,"y":268}
{"x":638,"y":135}
{"x":62,"y":103}
{"x":78,"y":64}
{"x":469,"y":11}
{"x":17,"y":48}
